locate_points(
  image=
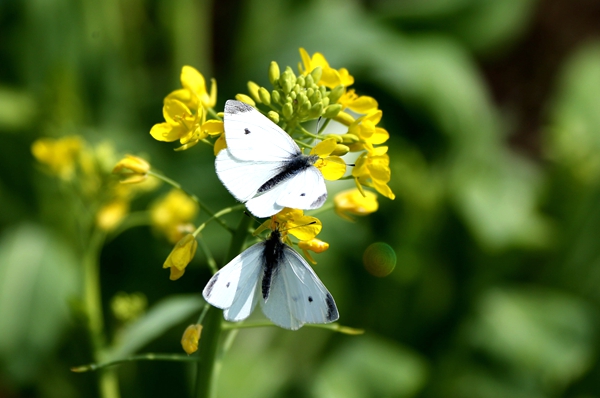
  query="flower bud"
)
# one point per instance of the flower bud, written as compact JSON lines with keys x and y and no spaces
{"x":353,"y":202}
{"x":336,"y":137}
{"x":340,"y":150}
{"x":300,"y":81}
{"x":181,"y":255}
{"x":332,"y":111}
{"x":253,"y":90}
{"x":190,"y":338}
{"x":274,"y":73}
{"x":336,"y":93}
{"x":275,"y":96}
{"x":274,"y":116}
{"x":316,"y":74}
{"x":349,"y":138}
{"x":316,"y":110}
{"x":264,"y":95}
{"x":287,"y":110}
{"x":287,"y":80}
{"x":245,"y":99}
{"x":132,"y":168}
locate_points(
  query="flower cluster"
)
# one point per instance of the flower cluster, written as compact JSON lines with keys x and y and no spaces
{"x":186,"y":110}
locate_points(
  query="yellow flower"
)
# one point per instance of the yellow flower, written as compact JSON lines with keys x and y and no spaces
{"x":365,"y":127}
{"x":314,"y":245}
{"x":133,"y":168}
{"x":111,"y":214}
{"x":373,"y":169}
{"x":181,"y":255}
{"x":190,"y":338}
{"x":332,"y":167}
{"x":294,"y":222}
{"x":360,"y":104}
{"x":352,"y":201}
{"x":193,"y":81}
{"x":330,"y":78}
{"x":61,"y":154}
{"x":173,"y":213}
{"x":185,"y":111}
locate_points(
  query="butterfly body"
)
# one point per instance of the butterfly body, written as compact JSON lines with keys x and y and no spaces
{"x":274,"y":274}
{"x":263,"y":167}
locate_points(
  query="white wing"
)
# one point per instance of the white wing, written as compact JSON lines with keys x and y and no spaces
{"x":243,"y":178}
{"x":306,"y":190}
{"x":252,"y":136}
{"x":235,"y":287}
{"x":297,"y":296}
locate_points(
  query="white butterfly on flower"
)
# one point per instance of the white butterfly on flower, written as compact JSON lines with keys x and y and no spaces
{"x":274,"y":274}
{"x":263,"y":167}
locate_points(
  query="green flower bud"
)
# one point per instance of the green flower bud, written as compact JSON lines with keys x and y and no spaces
{"x":316,"y":74}
{"x":302,"y":99}
{"x":297,"y":89}
{"x":350,"y":138}
{"x":324,"y":101}
{"x":336,"y":94}
{"x":336,"y":137}
{"x":274,"y":73}
{"x":264,"y":95}
{"x":332,"y":110}
{"x":274,"y":116}
{"x":293,"y":95}
{"x":304,"y":108}
{"x":287,"y":80}
{"x":310,"y":82}
{"x":340,"y":150}
{"x":275,"y":96}
{"x":253,"y":90}
{"x":287,"y":110}
{"x":300,"y":81}
{"x":316,"y":110}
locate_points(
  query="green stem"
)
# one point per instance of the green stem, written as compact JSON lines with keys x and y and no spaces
{"x":210,"y":363}
{"x":196,"y":199}
{"x":141,"y":357}
{"x":108,"y":382}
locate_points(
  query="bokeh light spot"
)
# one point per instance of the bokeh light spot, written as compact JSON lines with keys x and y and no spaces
{"x":379,"y":259}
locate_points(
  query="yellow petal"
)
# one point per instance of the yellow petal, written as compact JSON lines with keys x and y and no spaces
{"x":345,"y":78}
{"x":332,"y":167}
{"x":193,"y":80}
{"x":380,"y":136}
{"x":190,"y":338}
{"x":330,"y":78}
{"x":344,"y":118}
{"x":164,"y":132}
{"x":213,"y":127}
{"x":212,"y":99}
{"x":324,"y":148}
{"x":363,"y":104}
{"x":384,"y":190}
{"x":305,"y":61}
{"x":220,"y":144}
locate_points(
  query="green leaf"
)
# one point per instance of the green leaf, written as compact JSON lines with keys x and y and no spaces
{"x":162,"y":316}
{"x":38,"y":274}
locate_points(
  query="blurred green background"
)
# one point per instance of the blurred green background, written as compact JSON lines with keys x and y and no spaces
{"x":493,"y":108}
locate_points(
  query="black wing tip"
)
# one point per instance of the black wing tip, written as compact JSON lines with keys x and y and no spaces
{"x":209,"y":287}
{"x":319,"y":201}
{"x":332,"y":312}
{"x":233,"y":107}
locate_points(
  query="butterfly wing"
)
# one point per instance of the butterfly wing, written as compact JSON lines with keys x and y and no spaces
{"x":297,"y":296}
{"x":243,"y":178}
{"x":306,"y":190}
{"x":235,"y":287}
{"x":251,"y":136}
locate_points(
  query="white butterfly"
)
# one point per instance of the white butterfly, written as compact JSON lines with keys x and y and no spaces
{"x":263,"y":166}
{"x":289,"y":291}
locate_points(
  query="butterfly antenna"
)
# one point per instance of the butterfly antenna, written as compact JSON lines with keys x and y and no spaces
{"x":299,"y":226}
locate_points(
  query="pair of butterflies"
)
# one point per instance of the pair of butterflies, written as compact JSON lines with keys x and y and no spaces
{"x":263,"y":167}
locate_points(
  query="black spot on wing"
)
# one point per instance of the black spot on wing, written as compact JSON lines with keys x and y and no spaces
{"x":319,"y":201}
{"x":234,"y":107}
{"x":332,"y":312}
{"x":310,"y":299}
{"x":211,"y":284}
{"x":246,"y":131}
{"x":228,"y":283}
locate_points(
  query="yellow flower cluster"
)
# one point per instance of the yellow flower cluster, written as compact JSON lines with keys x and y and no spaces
{"x":304,"y":228}
{"x":185,"y":112}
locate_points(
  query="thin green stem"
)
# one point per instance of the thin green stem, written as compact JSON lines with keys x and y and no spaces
{"x":210,"y":362}
{"x":108,"y":382}
{"x":209,"y":257}
{"x":216,"y":216}
{"x":141,"y":357}
{"x":175,"y":184}
{"x":334,"y":327}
